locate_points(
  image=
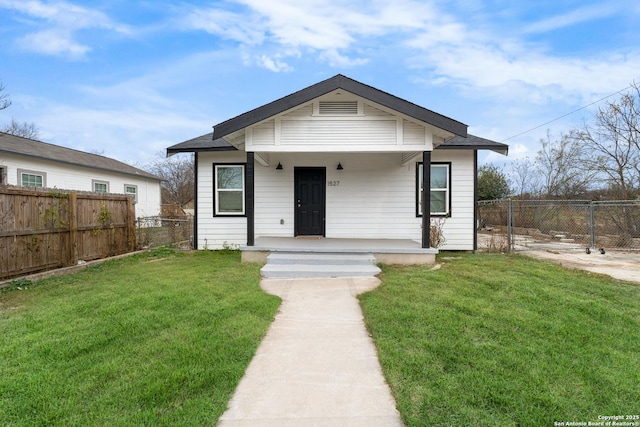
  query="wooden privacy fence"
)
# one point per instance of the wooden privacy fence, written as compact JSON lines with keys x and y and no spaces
{"x":41,"y":229}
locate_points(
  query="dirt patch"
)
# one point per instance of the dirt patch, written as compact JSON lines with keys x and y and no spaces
{"x":619,"y":265}
{"x":622,"y":265}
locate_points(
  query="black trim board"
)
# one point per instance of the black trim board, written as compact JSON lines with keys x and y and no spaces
{"x":249,"y":198}
{"x":195,"y":202}
{"x":475,"y":201}
{"x":426,"y":195}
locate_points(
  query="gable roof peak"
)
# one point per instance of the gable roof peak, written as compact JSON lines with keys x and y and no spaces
{"x":323,"y":87}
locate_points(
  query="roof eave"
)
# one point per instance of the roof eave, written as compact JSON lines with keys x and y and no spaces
{"x":33,"y":156}
{"x":497,"y":149}
{"x":171,"y":151}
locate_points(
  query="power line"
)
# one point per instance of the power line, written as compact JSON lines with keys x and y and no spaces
{"x":568,"y":114}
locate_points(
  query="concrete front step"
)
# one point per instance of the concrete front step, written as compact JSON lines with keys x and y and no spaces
{"x":314,"y":265}
{"x":320,"y":258}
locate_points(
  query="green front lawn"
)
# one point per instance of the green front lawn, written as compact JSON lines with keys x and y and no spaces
{"x":157,"y":339}
{"x":164,"y":338}
{"x":506,"y":341}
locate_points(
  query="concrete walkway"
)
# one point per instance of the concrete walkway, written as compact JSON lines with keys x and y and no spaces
{"x":317,"y":366}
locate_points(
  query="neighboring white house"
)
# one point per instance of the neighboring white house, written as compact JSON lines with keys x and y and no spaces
{"x":29,"y":163}
{"x":338,"y":159}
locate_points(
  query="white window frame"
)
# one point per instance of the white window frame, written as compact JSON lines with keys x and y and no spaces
{"x":42,"y":175}
{"x":97,"y":181}
{"x":446,"y":189}
{"x":3,"y":175}
{"x":217,"y":191}
{"x":134,"y":193}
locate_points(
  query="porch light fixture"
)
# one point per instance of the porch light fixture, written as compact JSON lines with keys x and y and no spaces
{"x":279,"y":167}
{"x":339,"y":168}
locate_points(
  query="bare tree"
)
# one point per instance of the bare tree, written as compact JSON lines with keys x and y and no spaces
{"x":5,"y":102}
{"x":24,"y":129}
{"x":178,"y":173}
{"x":559,"y":164}
{"x":612,"y":145}
{"x":525,"y":180}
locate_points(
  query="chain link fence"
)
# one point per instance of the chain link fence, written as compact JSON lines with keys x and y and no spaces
{"x":559,"y":225}
{"x":156,"y":231}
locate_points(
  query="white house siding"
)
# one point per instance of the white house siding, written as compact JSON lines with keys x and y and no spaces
{"x":219,"y":231}
{"x":374,"y":196}
{"x":459,"y":228}
{"x":372,"y":130}
{"x":73,"y":177}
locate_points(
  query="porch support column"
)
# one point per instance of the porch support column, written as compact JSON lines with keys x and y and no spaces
{"x":249,"y":201}
{"x":426,"y":197}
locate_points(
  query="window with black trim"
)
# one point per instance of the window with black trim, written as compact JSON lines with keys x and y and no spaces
{"x":100,"y":186}
{"x":440,"y":202}
{"x":28,"y":178}
{"x":229,"y":187}
{"x":3,"y":175}
{"x":131,"y":190}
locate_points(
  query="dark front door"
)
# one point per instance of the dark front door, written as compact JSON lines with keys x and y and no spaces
{"x":309,"y":201}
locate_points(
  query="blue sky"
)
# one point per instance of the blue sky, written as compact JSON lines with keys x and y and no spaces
{"x":129,"y":78}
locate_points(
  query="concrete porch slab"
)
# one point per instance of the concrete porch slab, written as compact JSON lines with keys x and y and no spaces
{"x":386,"y":251}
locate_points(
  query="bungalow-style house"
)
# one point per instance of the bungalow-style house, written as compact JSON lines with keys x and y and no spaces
{"x":337,"y":161}
{"x":29,"y":163}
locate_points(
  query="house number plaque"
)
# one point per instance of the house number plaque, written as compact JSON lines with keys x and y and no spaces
{"x":333,"y":183}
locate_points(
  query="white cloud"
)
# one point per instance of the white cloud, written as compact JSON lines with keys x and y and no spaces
{"x":53,"y":42}
{"x":248,"y":30}
{"x":327,"y":30}
{"x":573,"y":17}
{"x":61,"y":21}
{"x":273,"y":64}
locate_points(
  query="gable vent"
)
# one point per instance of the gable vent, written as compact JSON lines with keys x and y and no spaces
{"x":338,"y":107}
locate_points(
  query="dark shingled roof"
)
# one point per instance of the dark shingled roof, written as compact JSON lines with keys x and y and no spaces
{"x":339,"y":82}
{"x":200,"y":143}
{"x":42,"y":150}
{"x":206,"y":143}
{"x":472,"y":142}
{"x":462,"y":140}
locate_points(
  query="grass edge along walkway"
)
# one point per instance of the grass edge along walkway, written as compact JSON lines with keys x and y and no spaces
{"x":490,"y":339}
{"x":155,"y":339}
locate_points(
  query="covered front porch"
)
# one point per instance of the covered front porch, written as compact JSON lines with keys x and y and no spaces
{"x":386,"y":251}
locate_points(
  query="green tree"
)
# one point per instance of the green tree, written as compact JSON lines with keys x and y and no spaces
{"x":492,"y":183}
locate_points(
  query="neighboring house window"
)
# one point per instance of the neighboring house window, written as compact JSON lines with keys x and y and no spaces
{"x":3,"y":175}
{"x":131,"y":190}
{"x":32,"y":179}
{"x":229,"y":189}
{"x":440,"y":203}
{"x":100,"y":186}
